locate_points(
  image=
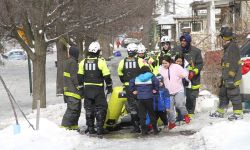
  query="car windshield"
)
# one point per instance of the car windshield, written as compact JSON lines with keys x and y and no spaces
{"x":245,"y":49}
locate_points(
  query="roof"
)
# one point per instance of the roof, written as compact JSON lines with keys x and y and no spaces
{"x":168,"y":19}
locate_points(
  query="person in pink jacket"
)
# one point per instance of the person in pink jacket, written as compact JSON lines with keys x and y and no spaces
{"x":173,"y":75}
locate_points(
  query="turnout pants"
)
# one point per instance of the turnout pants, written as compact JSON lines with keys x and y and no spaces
{"x":73,"y":111}
{"x":132,"y":107}
{"x":191,"y":96}
{"x":230,"y":94}
{"x":95,"y":105}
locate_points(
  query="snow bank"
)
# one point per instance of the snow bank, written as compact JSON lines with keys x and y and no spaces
{"x":49,"y":137}
{"x":227,"y":135}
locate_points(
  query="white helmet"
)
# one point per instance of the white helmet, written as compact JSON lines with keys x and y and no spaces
{"x":132,"y":47}
{"x":94,"y":47}
{"x":165,"y":39}
{"x":141,"y":49}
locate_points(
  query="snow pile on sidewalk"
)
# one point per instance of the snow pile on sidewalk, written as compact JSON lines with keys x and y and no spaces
{"x":49,"y":136}
{"x":213,"y":134}
{"x":227,"y":135}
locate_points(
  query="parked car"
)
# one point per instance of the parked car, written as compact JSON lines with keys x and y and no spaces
{"x":128,"y":41}
{"x":245,"y":82}
{"x":15,"y":54}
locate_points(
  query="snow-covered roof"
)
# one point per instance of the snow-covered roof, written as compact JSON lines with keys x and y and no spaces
{"x":168,"y":19}
{"x":171,"y":19}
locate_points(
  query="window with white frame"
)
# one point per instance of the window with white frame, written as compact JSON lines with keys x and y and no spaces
{"x":196,"y":26}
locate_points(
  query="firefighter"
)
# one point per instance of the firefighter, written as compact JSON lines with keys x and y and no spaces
{"x":193,"y":56}
{"x":141,"y":53}
{"x":165,"y":51}
{"x":71,"y":90}
{"x":129,"y":68}
{"x":93,"y":71}
{"x":231,"y":77}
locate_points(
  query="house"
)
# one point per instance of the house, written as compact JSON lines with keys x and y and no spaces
{"x":206,"y":20}
{"x":215,"y":14}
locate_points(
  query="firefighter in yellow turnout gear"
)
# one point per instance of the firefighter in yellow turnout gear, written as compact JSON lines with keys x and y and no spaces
{"x":128,"y":68}
{"x":93,"y":71}
{"x":72,"y":91}
{"x":141,"y":53}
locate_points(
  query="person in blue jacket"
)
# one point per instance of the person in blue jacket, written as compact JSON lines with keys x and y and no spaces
{"x":144,"y":86}
{"x":162,"y":102}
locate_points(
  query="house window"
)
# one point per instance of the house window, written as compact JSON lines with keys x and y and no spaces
{"x":196,"y":26}
{"x":185,"y":24}
{"x":164,"y":32}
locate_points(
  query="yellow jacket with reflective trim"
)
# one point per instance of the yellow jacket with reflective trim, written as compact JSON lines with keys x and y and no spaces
{"x":102,"y":66}
{"x":120,"y":68}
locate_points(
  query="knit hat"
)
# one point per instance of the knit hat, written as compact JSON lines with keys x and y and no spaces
{"x":187,"y":38}
{"x":74,"y":52}
{"x":144,"y":69}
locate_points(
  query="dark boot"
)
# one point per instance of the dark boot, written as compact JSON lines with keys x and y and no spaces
{"x":100,"y":119}
{"x":144,"y":130}
{"x":135,"y":122}
{"x":156,"y":130}
{"x":90,"y":130}
{"x":90,"y":119}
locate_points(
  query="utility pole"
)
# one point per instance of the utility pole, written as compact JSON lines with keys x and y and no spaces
{"x":166,"y":7}
{"x":212,"y":27}
{"x":174,"y":7}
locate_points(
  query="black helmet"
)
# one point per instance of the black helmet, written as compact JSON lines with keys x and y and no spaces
{"x":226,"y":31}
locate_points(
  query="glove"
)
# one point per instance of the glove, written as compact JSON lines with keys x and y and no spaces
{"x":109,"y":89}
{"x":194,"y":69}
{"x":229,"y":84}
{"x":191,"y":75}
{"x":81,"y":90}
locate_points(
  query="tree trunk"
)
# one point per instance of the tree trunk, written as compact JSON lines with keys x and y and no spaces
{"x":61,"y":56}
{"x":79,"y":41}
{"x":104,"y":42}
{"x":39,"y":76}
{"x":88,"y":41}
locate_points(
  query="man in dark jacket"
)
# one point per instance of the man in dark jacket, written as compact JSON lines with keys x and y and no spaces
{"x":231,"y":77}
{"x":193,"y":56}
{"x":71,"y":90}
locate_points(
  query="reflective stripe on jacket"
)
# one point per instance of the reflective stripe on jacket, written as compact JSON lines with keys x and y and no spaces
{"x":129,"y":68}
{"x":70,"y":81}
{"x":93,"y":70}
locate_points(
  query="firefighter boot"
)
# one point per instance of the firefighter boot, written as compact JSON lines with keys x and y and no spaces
{"x":135,"y":122}
{"x":100,"y":119}
{"x":156,"y":130}
{"x":90,"y":119}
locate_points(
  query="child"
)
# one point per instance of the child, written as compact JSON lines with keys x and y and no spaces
{"x":179,"y":59}
{"x":173,"y":75}
{"x":162,"y":102}
{"x":144,"y":86}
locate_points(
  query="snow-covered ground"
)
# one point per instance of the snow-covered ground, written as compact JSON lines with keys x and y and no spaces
{"x":219,"y":134}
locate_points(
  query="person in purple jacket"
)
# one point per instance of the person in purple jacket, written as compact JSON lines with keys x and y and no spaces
{"x":144,"y":86}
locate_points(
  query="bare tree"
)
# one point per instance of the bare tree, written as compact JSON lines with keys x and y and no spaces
{"x":44,"y":22}
{"x":34,"y":19}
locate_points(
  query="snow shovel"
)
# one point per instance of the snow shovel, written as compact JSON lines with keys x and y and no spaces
{"x":16,"y":127}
